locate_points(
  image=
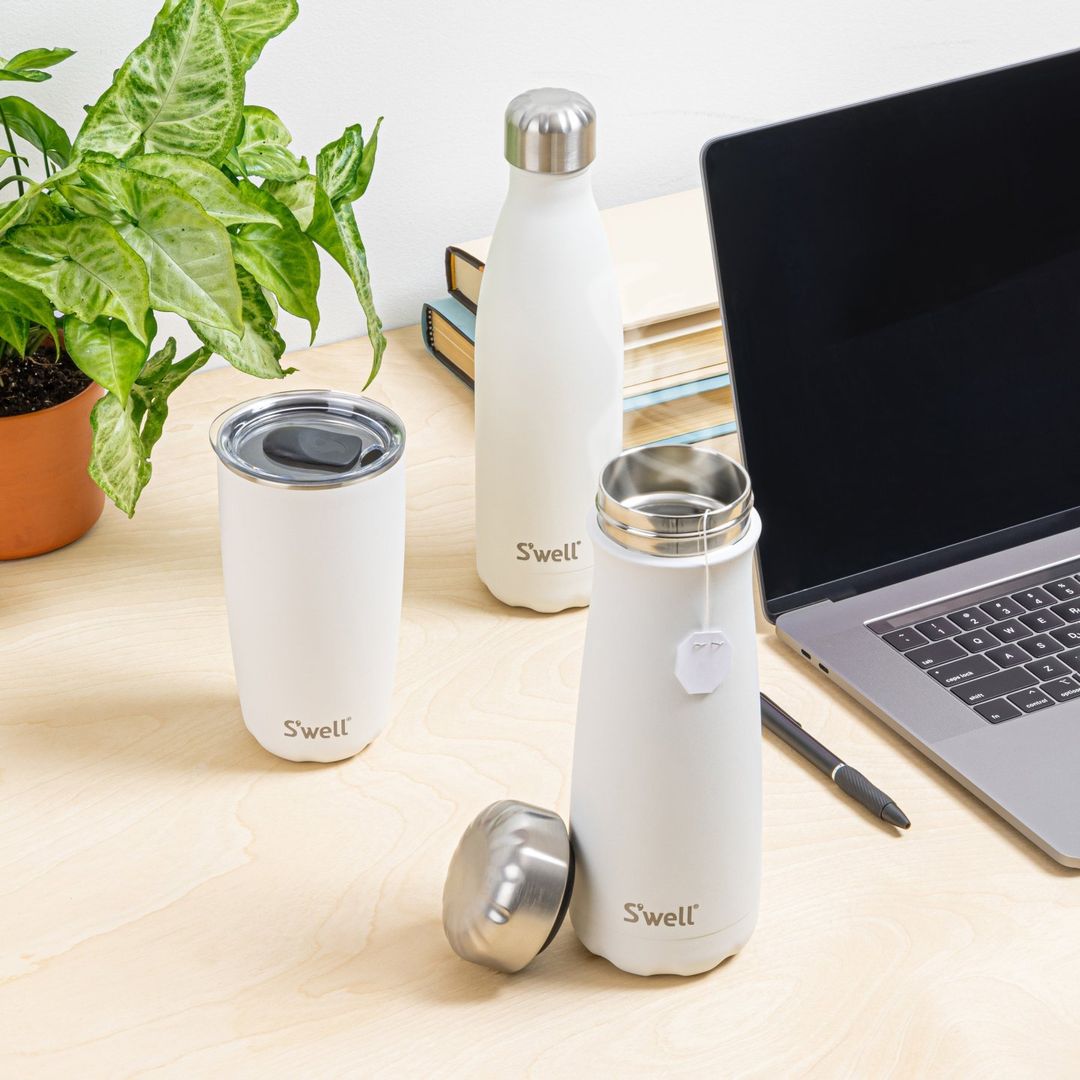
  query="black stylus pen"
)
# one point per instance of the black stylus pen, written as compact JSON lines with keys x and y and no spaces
{"x":848,"y":780}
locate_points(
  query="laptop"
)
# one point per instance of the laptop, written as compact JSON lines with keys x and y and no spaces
{"x":900,"y":285}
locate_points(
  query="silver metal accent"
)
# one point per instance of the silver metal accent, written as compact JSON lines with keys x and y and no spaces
{"x":832,"y":775}
{"x":507,"y":886}
{"x":237,"y":435}
{"x":550,"y":130}
{"x":658,"y":499}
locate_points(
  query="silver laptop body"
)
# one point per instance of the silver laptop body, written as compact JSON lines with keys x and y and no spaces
{"x":900,"y":285}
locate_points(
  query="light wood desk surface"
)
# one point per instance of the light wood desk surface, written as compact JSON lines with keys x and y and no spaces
{"x":176,"y":902}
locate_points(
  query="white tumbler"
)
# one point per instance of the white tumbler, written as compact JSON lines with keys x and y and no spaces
{"x":311,"y":488}
{"x":665,"y":813}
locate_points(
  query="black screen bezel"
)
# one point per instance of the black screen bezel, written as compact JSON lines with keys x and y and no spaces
{"x":891,"y":573}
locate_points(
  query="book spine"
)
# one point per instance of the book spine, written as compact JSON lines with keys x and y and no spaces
{"x":452,"y":255}
{"x":427,"y":334}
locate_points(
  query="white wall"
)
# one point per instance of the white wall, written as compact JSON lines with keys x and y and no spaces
{"x":664,"y":78}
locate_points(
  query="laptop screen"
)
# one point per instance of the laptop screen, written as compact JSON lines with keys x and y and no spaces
{"x":901,"y":293}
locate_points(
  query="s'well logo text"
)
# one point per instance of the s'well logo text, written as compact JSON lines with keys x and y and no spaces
{"x":294,"y":729}
{"x":566,"y":553}
{"x":683,"y":916}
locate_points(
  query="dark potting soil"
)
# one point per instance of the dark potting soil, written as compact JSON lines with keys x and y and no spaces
{"x":38,"y":381}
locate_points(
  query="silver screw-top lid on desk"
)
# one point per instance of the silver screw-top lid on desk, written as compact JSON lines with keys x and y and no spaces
{"x":550,"y":131}
{"x":508,"y":885}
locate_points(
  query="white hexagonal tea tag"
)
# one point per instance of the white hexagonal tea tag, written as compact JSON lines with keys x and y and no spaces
{"x":702,"y":661}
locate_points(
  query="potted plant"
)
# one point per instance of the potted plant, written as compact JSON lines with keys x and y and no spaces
{"x":174,"y":196}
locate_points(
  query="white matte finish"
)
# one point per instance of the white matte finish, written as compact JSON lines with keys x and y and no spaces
{"x":313,"y":583}
{"x":665,"y":805}
{"x":549,"y":349}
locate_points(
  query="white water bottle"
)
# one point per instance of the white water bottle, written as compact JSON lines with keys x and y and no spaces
{"x":549,"y":349}
{"x":665,"y":810}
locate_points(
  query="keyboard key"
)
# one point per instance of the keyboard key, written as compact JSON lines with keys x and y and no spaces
{"x":996,"y":685}
{"x":937,"y":652}
{"x":1032,"y":700}
{"x":1050,"y":668}
{"x":1062,"y":689}
{"x":996,"y":711}
{"x":936,"y":629}
{"x":972,"y":618}
{"x":1043,"y":645}
{"x":960,"y":671}
{"x":1034,"y":598}
{"x":1069,"y":611}
{"x":1008,"y":655}
{"x":1066,"y":589}
{"x":976,"y":641}
{"x":1013,"y":630}
{"x":1041,"y":620}
{"x":1072,"y":658}
{"x":904,"y":639}
{"x":1069,"y":636}
{"x":1005,"y":608}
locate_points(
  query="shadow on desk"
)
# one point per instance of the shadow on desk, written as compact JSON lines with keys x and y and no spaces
{"x":168,"y":727}
{"x":428,"y":969}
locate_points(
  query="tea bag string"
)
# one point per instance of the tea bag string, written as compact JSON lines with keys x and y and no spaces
{"x":705,"y":558}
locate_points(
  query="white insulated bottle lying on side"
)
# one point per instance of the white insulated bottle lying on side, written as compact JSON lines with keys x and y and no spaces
{"x":311,"y":488}
{"x":665,"y":812}
{"x":549,"y":353}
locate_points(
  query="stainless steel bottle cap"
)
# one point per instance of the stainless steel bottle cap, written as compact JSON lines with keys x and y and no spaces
{"x":656,"y":499}
{"x":508,"y":886}
{"x":550,"y":131}
{"x":308,"y":438}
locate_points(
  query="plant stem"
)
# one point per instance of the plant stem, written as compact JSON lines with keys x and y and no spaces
{"x":14,"y":154}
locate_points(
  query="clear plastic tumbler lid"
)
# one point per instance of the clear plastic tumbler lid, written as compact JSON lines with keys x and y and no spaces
{"x":308,"y":438}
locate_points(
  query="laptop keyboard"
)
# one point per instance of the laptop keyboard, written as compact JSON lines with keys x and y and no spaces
{"x":1003,"y":654}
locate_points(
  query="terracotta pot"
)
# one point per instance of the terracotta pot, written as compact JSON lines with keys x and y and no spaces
{"x":47,"y":498}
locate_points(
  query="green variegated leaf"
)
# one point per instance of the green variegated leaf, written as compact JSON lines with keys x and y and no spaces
{"x":207,"y":185}
{"x":108,"y":351}
{"x":7,"y":155}
{"x":187,"y":253}
{"x":280,"y":257}
{"x":39,"y":129}
{"x":259,"y":348}
{"x":118,"y":463}
{"x":179,"y":92}
{"x":26,"y":303}
{"x":262,"y":150}
{"x":48,"y":210}
{"x":356,"y":265}
{"x":298,"y":195}
{"x":156,"y":365}
{"x":26,"y":66}
{"x":336,"y":232}
{"x":13,"y":330}
{"x":252,"y":23}
{"x":33,"y":270}
{"x":367,"y":162}
{"x":150,"y":394}
{"x":91,"y":202}
{"x":97,"y":273}
{"x":338,"y":163}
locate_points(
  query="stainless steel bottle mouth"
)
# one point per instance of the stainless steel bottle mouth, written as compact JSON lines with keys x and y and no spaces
{"x":665,"y":500}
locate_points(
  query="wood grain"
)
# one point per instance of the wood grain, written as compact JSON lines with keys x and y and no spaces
{"x":176,"y":902}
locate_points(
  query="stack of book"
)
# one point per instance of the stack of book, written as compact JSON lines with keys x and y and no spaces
{"x":676,"y":385}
